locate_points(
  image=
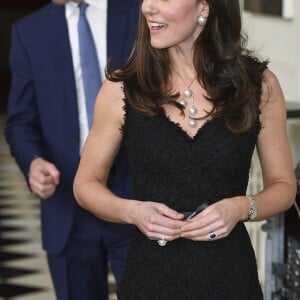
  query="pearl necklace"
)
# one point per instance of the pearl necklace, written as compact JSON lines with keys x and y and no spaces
{"x":191,"y":109}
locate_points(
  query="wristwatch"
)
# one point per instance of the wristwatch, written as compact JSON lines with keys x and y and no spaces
{"x":253,"y":209}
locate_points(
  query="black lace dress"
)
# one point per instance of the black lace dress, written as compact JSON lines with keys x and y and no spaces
{"x":169,"y":166}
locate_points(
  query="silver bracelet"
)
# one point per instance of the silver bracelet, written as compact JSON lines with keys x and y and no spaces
{"x":252,"y":214}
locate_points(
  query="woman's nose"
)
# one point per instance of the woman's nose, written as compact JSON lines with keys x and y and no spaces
{"x":148,"y":7}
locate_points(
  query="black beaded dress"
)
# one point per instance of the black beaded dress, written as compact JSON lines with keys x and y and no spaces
{"x":171,"y":167}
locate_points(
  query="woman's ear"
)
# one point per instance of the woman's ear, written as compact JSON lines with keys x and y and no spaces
{"x":203,"y":8}
{"x":203,"y":12}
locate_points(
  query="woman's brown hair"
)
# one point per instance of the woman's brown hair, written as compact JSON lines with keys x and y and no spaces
{"x":229,"y":73}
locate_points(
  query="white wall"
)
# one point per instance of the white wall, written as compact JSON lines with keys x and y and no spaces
{"x":279,"y":40}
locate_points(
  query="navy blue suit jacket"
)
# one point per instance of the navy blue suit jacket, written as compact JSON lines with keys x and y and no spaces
{"x":42,"y":109}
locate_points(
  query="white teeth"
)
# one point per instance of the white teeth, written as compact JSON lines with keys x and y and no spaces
{"x":154,"y":24}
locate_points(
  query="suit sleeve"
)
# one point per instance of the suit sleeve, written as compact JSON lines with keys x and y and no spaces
{"x":23,"y":131}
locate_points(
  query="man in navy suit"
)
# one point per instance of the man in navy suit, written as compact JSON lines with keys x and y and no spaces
{"x":46,"y":129}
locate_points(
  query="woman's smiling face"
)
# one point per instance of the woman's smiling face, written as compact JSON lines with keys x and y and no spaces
{"x":173,"y":22}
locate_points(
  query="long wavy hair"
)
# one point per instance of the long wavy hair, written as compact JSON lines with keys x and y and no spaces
{"x":231,"y":74}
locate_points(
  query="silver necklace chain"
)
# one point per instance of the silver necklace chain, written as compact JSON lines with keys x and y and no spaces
{"x":188,"y":93}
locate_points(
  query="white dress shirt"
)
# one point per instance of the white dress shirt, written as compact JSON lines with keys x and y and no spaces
{"x":96,"y":14}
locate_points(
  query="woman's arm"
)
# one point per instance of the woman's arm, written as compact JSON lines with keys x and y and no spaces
{"x":100,"y":149}
{"x":273,"y":148}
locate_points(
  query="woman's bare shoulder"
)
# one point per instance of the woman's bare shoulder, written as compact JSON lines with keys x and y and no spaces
{"x":113,"y":89}
{"x":272,"y":103}
{"x":110,"y":102}
{"x":271,"y":89}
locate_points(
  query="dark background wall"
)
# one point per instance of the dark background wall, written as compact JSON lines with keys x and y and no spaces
{"x":10,"y":11}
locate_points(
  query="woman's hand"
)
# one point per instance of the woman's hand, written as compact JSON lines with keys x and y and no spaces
{"x":217,"y":220}
{"x":157,"y":221}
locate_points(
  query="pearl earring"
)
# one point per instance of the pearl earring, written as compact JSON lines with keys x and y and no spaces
{"x":202,"y":20}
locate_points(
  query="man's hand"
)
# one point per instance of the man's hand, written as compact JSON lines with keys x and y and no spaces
{"x":43,"y":177}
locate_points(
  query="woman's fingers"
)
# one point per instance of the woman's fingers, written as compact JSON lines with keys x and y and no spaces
{"x":160,"y":221}
{"x":215,"y":222}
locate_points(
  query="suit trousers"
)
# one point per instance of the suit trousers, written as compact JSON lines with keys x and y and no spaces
{"x":80,"y":272}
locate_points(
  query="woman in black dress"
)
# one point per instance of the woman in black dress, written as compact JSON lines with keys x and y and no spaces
{"x":190,"y":105}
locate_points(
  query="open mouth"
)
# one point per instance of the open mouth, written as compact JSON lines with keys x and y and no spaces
{"x":157,"y":26}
